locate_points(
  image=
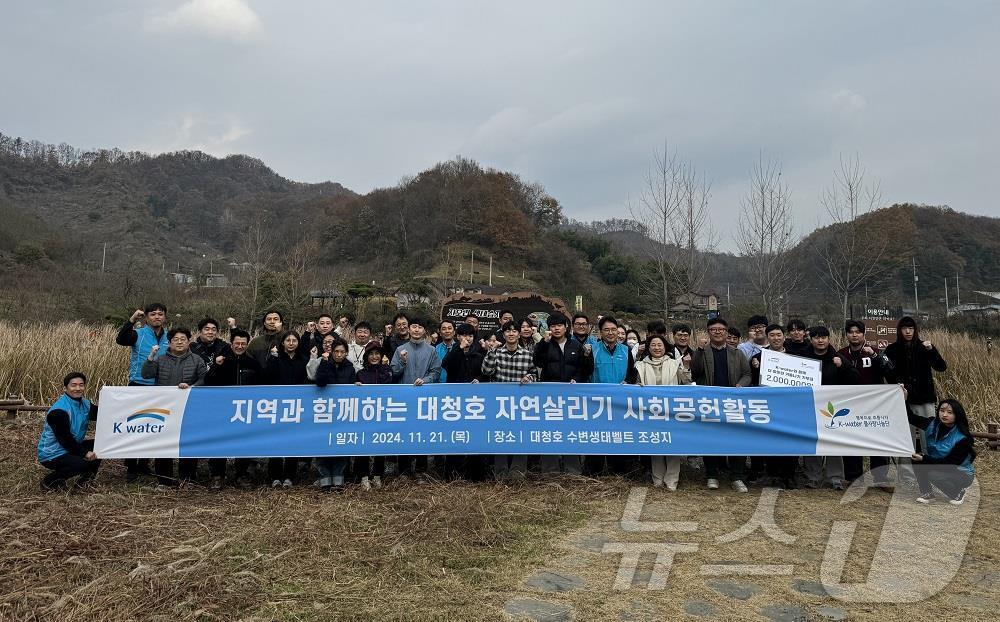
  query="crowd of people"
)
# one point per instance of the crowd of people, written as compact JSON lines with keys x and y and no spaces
{"x":413,"y":351}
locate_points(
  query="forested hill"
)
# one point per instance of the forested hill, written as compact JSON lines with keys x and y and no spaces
{"x":54,"y":199}
{"x":190,"y":212}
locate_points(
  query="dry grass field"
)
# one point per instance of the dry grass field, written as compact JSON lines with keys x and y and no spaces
{"x":430,"y":551}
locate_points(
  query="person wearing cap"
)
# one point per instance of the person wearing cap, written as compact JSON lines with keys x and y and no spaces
{"x":914,"y":362}
{"x":373,"y":372}
{"x":833,"y":371}
{"x":756,"y":336}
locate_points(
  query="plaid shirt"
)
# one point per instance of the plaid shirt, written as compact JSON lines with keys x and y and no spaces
{"x":502,"y":365}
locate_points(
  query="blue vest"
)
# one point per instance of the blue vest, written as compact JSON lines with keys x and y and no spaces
{"x":442,"y":351}
{"x":940,"y":447}
{"x":610,"y":367}
{"x":140,"y":352}
{"x":79,"y":414}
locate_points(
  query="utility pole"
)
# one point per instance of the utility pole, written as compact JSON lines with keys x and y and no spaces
{"x":104,"y":256}
{"x":491,"y":270}
{"x":947,"y":310}
{"x":472,"y":266}
{"x":729,"y":298}
{"x":958,"y":291}
{"x":916,"y":301}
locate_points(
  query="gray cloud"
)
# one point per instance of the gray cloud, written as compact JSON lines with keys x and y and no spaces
{"x":576,"y":96}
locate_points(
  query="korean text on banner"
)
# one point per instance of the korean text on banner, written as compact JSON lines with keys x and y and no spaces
{"x":502,"y":418}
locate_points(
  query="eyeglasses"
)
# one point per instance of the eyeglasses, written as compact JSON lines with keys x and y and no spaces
{"x":718,"y":330}
{"x":581,"y":323}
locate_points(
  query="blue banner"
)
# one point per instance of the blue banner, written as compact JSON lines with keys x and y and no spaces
{"x":538,"y":418}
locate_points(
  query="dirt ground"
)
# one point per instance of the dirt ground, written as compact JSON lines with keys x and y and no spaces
{"x":547,"y":550}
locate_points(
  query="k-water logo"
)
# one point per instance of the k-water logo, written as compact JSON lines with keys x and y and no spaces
{"x":143,"y":422}
{"x":839,"y":418}
{"x":833,"y":415}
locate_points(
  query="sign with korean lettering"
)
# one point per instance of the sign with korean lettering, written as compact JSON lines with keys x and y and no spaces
{"x":488,"y":308}
{"x":500,"y":418}
{"x":880,"y":324}
{"x":778,"y":369}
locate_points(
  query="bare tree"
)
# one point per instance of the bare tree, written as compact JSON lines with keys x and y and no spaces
{"x":297,"y":277}
{"x":765,"y":237}
{"x":256,"y":254}
{"x":673,"y":210}
{"x":852,"y":252}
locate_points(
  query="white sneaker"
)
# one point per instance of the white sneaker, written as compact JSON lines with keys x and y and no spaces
{"x":377,"y":481}
{"x":287,"y":483}
{"x":925,"y":498}
{"x":959,"y":499}
{"x":712,"y":483}
{"x":672,"y":487}
{"x":739,"y":486}
{"x":365,"y":484}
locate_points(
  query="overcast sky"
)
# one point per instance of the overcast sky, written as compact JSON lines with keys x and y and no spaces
{"x":575,"y":95}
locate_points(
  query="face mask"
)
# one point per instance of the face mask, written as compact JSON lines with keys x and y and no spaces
{"x":632,"y":342}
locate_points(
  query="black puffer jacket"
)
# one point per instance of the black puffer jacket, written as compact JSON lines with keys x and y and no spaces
{"x":563,"y":364}
{"x":331,"y":372}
